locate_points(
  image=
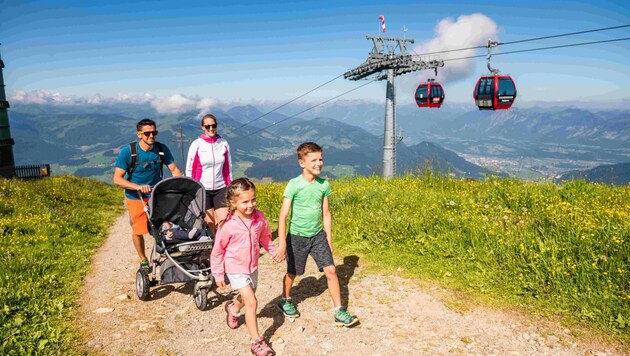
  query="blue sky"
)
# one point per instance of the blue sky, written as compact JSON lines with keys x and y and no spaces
{"x":199,"y":53}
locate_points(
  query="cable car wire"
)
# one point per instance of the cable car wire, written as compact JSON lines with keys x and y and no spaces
{"x":445,"y":60}
{"x":288,"y":102}
{"x":564,"y":34}
{"x":447,"y":51}
{"x":305,"y":110}
{"x":541,"y":48}
{"x":373,"y":80}
{"x":525,"y":40}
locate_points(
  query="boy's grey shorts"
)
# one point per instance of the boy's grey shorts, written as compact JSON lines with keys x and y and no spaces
{"x":299,"y":247}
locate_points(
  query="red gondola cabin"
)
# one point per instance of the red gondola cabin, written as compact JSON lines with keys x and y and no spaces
{"x":429,"y":95}
{"x":494,"y":92}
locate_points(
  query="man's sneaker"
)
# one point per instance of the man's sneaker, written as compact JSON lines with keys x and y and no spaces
{"x":145,"y":264}
{"x":288,"y":308}
{"x":342,"y":318}
{"x":260,"y":348}
{"x":230,"y":319}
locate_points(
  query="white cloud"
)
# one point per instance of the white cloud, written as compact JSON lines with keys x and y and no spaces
{"x":205,"y":104}
{"x":41,"y":97}
{"x":467,"y":31}
{"x":95,"y":100}
{"x":134,"y":99}
{"x":173,"y":104}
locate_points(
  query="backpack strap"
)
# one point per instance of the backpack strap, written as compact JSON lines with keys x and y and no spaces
{"x":161,"y":154}
{"x":133,"y":147}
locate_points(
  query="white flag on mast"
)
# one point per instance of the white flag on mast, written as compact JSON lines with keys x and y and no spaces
{"x":382,"y":18}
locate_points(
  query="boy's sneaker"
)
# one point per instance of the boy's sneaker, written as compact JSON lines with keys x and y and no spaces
{"x":145,"y":264}
{"x":260,"y":348}
{"x":288,"y":308}
{"x":230,"y":319}
{"x":343,"y":318}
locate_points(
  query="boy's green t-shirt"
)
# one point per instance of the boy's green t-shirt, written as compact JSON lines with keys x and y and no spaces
{"x":306,"y":205}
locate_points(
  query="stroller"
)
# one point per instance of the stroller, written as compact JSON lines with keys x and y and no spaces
{"x":181,"y":201}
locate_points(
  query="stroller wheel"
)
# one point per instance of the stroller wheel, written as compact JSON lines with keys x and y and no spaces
{"x":201,"y":297}
{"x":142,"y":284}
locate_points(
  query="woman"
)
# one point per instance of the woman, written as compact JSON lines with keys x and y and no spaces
{"x":210,"y":163}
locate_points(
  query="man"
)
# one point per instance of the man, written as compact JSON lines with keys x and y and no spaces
{"x":142,"y":177}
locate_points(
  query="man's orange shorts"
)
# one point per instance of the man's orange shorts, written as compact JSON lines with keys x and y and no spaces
{"x":137,"y":217}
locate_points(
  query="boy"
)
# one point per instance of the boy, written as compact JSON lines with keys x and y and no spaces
{"x":310,"y":232}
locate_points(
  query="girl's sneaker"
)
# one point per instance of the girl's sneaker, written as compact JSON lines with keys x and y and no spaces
{"x":230,"y":319}
{"x":343,"y":318}
{"x":288,"y":308}
{"x":260,"y":348}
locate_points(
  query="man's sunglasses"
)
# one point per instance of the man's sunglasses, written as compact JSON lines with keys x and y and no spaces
{"x":210,"y":126}
{"x":149,"y":133}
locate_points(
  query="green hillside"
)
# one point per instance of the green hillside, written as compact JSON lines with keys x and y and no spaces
{"x":49,"y":231}
{"x":560,"y":250}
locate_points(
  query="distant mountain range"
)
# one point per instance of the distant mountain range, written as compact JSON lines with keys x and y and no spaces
{"x":606,"y":128}
{"x":618,"y":174}
{"x":353,"y":150}
{"x":84,"y":139}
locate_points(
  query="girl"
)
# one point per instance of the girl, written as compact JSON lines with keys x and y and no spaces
{"x":235,"y":252}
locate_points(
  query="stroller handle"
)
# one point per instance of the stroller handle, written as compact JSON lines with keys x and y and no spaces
{"x":145,"y":207}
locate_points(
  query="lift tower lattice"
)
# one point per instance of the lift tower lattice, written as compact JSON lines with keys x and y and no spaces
{"x":390,"y":54}
{"x":7,"y":163}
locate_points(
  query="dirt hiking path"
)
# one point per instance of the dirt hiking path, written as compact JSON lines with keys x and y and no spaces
{"x":397,"y":316}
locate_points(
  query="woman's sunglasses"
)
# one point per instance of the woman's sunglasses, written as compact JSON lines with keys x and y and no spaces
{"x":149,"y":133}
{"x":210,"y":126}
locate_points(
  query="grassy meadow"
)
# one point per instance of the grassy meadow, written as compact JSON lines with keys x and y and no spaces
{"x":49,"y":230}
{"x":555,"y":250}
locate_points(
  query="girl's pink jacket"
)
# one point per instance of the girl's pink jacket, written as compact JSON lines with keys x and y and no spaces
{"x":237,"y":245}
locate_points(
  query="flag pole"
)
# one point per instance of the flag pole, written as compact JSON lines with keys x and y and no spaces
{"x":382,"y":24}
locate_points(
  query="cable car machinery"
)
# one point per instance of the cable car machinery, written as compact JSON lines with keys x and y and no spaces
{"x":395,"y":64}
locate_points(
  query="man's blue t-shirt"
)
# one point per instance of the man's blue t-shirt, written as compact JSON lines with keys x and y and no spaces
{"x":147,"y":166}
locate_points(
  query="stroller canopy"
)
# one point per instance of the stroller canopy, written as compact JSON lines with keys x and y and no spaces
{"x":177,"y":199}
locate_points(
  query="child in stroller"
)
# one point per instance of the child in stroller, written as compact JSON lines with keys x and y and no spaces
{"x":171,"y":231}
